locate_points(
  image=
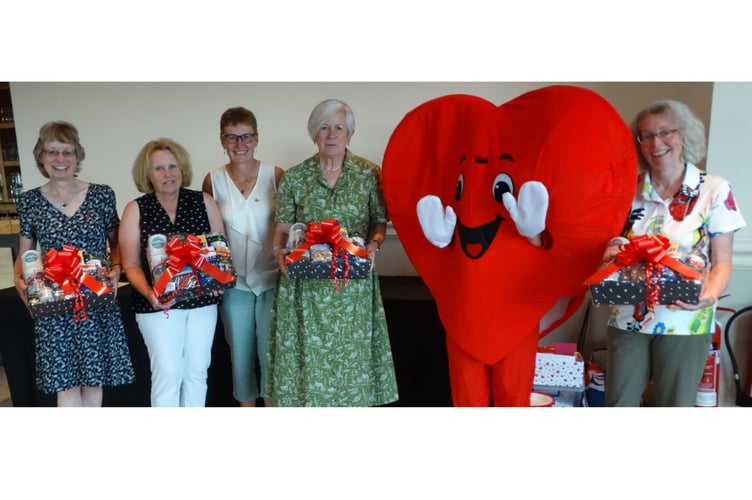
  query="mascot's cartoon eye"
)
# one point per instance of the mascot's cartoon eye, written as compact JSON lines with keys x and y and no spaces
{"x":460,"y":187}
{"x":502,"y":184}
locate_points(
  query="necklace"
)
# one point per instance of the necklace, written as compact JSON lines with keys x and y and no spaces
{"x":63,"y":202}
{"x":330,"y":169}
{"x":242,"y":186}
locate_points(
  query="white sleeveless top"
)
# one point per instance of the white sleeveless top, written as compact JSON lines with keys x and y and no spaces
{"x":249,"y":223}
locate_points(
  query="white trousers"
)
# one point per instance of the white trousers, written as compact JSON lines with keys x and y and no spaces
{"x":179,"y":345}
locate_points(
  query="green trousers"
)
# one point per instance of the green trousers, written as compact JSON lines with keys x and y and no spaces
{"x":674,"y":362}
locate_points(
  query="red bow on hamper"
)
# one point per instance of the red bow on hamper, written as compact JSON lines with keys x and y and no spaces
{"x":328,"y":231}
{"x":187,"y":252}
{"x":64,"y":267}
{"x":653,"y":250}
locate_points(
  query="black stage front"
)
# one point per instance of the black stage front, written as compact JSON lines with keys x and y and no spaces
{"x":416,"y":334}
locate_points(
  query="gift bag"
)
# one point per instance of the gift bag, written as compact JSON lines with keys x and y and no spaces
{"x":555,"y":367}
{"x":559,"y":372}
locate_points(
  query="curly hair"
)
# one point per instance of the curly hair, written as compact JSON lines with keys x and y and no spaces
{"x":691,"y":128}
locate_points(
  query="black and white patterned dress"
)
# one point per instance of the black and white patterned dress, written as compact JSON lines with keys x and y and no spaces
{"x":93,"y":353}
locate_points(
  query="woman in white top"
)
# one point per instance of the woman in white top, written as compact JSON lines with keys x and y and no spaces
{"x":245,"y":190}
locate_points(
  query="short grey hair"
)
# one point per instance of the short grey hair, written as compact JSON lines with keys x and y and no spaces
{"x":324,"y":110}
{"x":691,"y":128}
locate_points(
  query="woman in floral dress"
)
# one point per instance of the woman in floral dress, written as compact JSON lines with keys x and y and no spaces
{"x":73,"y":359}
{"x":329,"y":345}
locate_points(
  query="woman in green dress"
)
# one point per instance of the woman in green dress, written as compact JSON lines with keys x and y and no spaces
{"x":329,"y":345}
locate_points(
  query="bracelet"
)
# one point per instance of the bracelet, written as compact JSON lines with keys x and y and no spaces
{"x":378,"y":244}
{"x":116,"y":264}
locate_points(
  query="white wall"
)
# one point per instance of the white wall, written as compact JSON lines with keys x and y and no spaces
{"x":728,"y":155}
{"x":116,"y":119}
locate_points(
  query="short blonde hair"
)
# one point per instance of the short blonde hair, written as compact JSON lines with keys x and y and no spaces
{"x":142,"y":164}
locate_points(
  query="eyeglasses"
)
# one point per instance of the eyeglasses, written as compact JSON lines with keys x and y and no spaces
{"x":52,"y":154}
{"x":646,"y":137}
{"x":233,"y":138}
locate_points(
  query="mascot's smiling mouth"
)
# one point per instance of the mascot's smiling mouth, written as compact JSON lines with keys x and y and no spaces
{"x":476,"y":240}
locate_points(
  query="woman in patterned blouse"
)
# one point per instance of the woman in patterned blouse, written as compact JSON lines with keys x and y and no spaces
{"x":697,"y":213}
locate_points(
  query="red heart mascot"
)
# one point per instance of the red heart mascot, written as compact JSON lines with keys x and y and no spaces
{"x":504,"y":211}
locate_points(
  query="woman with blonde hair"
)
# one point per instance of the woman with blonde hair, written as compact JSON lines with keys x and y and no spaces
{"x":179,"y":343}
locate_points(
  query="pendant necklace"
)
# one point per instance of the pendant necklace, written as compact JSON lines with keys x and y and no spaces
{"x":241,"y":187}
{"x":64,"y":203}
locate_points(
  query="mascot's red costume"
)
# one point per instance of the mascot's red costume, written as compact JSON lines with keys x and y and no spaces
{"x":472,"y":188}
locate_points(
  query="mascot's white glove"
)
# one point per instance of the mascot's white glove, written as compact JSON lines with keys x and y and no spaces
{"x":529,"y":211}
{"x":437,"y":224}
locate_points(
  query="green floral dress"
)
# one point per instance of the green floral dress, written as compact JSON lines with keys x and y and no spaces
{"x":329,"y":347}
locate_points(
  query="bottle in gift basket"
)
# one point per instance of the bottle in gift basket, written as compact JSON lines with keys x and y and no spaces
{"x":296,"y":236}
{"x":156,"y":253}
{"x":360,"y":242}
{"x":34,"y":292}
{"x":95,"y":268}
{"x":33,"y":274}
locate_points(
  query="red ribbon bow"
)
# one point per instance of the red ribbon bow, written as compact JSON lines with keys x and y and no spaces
{"x":188,"y":252}
{"x":328,"y":231}
{"x":653,"y":250}
{"x":64,"y":267}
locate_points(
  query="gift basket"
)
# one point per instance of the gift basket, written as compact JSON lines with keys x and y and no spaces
{"x":185,"y":266}
{"x":324,"y":250}
{"x":645,"y":272}
{"x":65,"y":281}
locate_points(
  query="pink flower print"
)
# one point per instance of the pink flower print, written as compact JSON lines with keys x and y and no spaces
{"x":730,"y":202}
